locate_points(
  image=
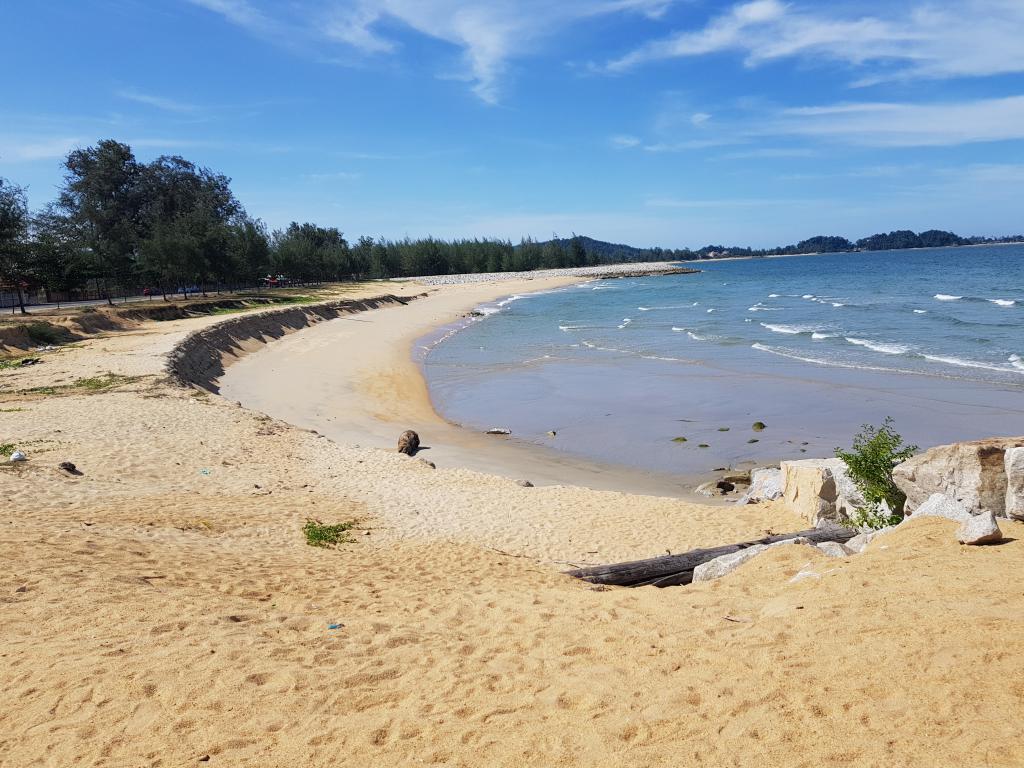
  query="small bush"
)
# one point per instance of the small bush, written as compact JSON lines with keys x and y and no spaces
{"x":6,"y":449}
{"x":43,"y":333}
{"x":876,"y":450}
{"x":319,"y":535}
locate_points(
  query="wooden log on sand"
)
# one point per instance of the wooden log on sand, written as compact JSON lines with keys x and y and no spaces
{"x":673,"y":570}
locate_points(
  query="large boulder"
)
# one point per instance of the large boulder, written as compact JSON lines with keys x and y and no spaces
{"x":765,"y":485}
{"x":974,"y":473}
{"x":1014,"y":464}
{"x":819,"y":489}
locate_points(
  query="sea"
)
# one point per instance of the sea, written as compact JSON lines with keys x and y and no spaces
{"x":670,"y":373}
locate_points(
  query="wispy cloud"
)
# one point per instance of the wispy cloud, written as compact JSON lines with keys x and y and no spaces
{"x":905,"y":125}
{"x":152,"y":100}
{"x":333,"y":176}
{"x":489,"y":33}
{"x":13,"y":150}
{"x":939,"y":39}
{"x":865,"y":124}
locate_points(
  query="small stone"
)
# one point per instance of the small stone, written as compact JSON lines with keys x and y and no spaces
{"x":833,"y":549}
{"x":758,"y":426}
{"x":525,"y":483}
{"x":18,"y":456}
{"x":22,"y":588}
{"x":429,"y":464}
{"x":68,"y":467}
{"x":498,"y":431}
{"x":552,"y":433}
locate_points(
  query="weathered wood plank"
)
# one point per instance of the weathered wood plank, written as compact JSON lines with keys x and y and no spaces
{"x":673,"y":570}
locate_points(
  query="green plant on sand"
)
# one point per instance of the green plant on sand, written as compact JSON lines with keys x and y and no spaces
{"x":320,"y":535}
{"x":6,"y":449}
{"x":875,"y":451}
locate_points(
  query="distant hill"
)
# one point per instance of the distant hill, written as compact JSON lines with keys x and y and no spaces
{"x":600,"y":251}
{"x":605,"y":252}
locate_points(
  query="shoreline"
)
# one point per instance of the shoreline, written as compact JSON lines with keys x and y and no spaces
{"x":377,"y":390}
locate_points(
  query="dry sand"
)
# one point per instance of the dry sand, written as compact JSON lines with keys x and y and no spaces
{"x":163,"y":609}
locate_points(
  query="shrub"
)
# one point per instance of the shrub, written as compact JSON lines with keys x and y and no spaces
{"x":43,"y":333}
{"x":319,"y":535}
{"x":876,"y":450}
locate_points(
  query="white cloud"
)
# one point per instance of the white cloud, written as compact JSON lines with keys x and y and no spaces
{"x":17,"y":151}
{"x":941,"y":39}
{"x":906,"y":125}
{"x":152,"y":100}
{"x":489,"y":34}
{"x":699,"y":118}
{"x":625,"y":141}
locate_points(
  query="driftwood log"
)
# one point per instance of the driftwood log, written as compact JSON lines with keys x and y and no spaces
{"x":673,"y":570}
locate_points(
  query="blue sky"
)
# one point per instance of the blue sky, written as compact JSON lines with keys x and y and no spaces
{"x":643,"y":121}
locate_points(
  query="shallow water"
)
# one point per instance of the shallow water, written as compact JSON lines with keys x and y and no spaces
{"x":813,"y":346}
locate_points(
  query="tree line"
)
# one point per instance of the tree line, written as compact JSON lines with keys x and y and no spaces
{"x":119,"y":226}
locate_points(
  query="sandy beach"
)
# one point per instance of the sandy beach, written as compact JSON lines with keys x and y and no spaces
{"x":163,"y":608}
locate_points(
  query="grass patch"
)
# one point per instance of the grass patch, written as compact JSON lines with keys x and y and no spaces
{"x":319,"y":535}
{"x":11,"y":410}
{"x":93,"y":384}
{"x":6,"y":449}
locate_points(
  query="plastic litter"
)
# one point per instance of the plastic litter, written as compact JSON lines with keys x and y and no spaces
{"x":18,"y":456}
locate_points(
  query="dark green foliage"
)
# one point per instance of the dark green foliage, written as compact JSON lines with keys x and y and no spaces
{"x":15,"y":265}
{"x":43,"y":333}
{"x":758,"y":426}
{"x":875,"y":451}
{"x":319,"y":535}
{"x":678,"y":439}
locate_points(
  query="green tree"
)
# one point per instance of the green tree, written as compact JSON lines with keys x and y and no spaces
{"x":15,"y":258}
{"x":101,"y":199}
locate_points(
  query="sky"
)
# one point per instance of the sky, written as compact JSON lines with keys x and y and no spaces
{"x":651,"y":122}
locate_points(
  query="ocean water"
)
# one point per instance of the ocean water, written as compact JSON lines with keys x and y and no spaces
{"x":814,"y":346}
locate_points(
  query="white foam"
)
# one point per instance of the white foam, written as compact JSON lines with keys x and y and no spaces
{"x":838,"y":304}
{"x":488,"y":310}
{"x":711,"y":310}
{"x":877,"y":346}
{"x":789,"y":329}
{"x":1016,"y":362}
{"x":807,"y":296}
{"x":1002,"y":302}
{"x":818,"y":335}
{"x":625,"y":321}
{"x":961,"y":363}
{"x":947,"y":297}
{"x":920,"y":311}
{"x":773,"y":295}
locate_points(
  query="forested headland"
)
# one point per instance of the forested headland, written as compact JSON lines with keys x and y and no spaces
{"x":122,"y":227}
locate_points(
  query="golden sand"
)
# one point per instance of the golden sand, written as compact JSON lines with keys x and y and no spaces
{"x":163,"y":609}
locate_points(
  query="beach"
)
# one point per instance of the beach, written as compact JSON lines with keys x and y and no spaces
{"x":163,"y":608}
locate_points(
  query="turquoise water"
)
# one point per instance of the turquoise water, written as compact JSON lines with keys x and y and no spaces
{"x":819,"y":344}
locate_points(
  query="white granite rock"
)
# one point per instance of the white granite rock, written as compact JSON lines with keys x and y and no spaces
{"x":765,"y":485}
{"x":979,"y":529}
{"x":720,"y":566}
{"x":833,"y":549}
{"x":1014,"y":465}
{"x":819,"y":489}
